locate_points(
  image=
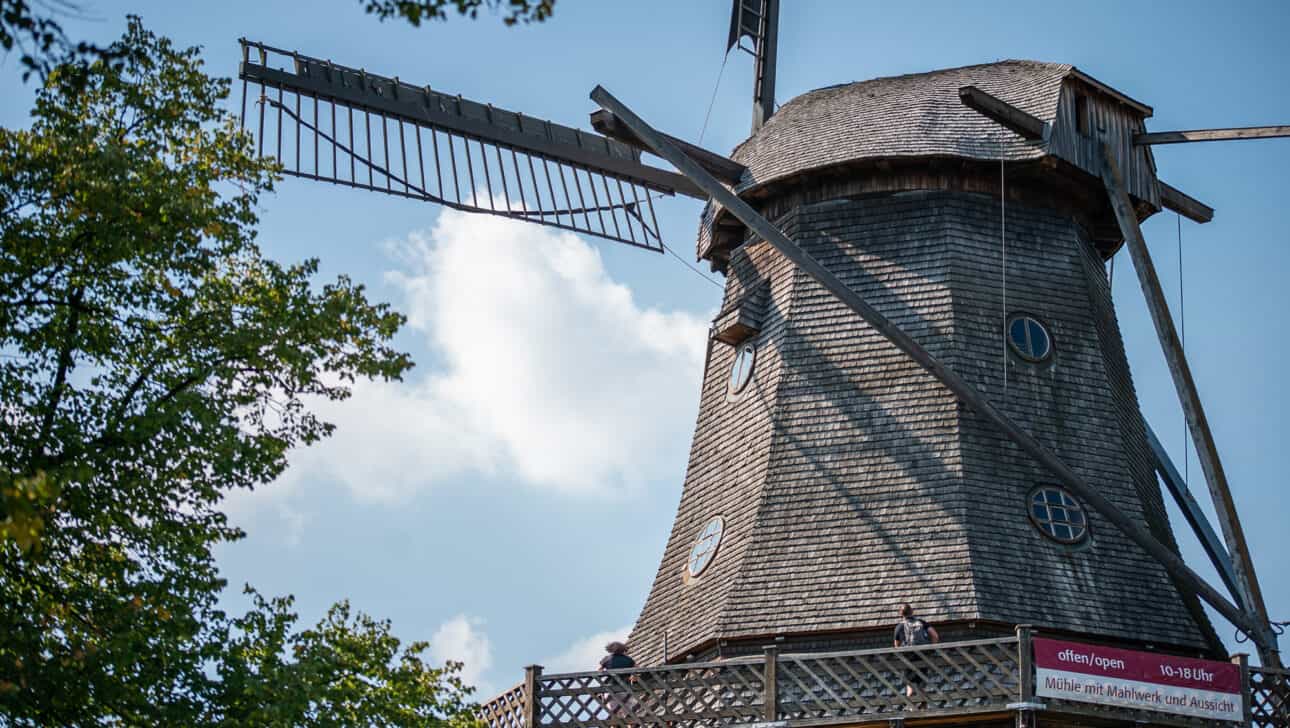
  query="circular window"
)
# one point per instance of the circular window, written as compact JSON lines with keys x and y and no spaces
{"x":705,"y":547}
{"x":1029,"y":338}
{"x":741,"y":369}
{"x":1056,"y":513}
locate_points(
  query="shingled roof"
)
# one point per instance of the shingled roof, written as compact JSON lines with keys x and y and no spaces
{"x":913,"y":115}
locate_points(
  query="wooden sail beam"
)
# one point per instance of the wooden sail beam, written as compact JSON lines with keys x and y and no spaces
{"x":965,"y":392}
{"x":723,"y":168}
{"x":1195,"y":516}
{"x":1211,"y":135}
{"x":1021,"y":122}
{"x":1172,"y":198}
{"x":1197,"y":423}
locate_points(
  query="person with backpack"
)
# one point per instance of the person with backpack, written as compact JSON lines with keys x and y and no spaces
{"x":911,"y":632}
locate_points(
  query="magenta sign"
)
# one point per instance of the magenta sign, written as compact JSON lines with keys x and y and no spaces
{"x":1146,"y":680}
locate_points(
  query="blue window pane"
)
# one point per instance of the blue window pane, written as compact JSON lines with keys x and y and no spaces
{"x":1018,"y":333}
{"x":1053,"y":497}
{"x":1058,"y":514}
{"x":1038,"y":340}
{"x":1041,"y":512}
{"x":1077,"y":518}
{"x":1062,"y":531}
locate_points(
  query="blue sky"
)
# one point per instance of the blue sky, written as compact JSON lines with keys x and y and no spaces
{"x":512,"y":498}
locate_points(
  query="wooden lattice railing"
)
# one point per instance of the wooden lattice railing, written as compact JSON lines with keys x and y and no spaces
{"x":1270,"y":697}
{"x":960,"y":677}
{"x":955,"y":678}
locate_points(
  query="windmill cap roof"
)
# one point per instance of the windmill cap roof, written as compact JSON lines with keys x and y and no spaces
{"x":914,"y":115}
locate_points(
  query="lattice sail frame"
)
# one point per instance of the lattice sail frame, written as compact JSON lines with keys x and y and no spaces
{"x":332,"y":123}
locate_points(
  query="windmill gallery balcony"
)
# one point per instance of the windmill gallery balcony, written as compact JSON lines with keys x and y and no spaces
{"x":977,"y":682}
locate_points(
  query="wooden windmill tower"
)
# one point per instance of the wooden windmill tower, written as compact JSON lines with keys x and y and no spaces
{"x":916,"y":389}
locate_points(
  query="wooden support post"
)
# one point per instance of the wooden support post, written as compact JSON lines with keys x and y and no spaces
{"x":1228,"y":520}
{"x":1026,"y":660}
{"x":770,"y":684}
{"x":965,"y":392}
{"x":1243,"y":660}
{"x":1211,"y":135}
{"x":532,"y":699}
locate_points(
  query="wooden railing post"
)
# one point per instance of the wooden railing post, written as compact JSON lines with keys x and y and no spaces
{"x":1247,"y":709}
{"x":1026,"y":663}
{"x":770,"y":680}
{"x":532,"y":702}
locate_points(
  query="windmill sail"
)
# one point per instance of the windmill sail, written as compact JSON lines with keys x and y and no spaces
{"x":343,"y":125}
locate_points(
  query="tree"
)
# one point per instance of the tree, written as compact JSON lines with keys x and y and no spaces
{"x":153,"y":359}
{"x":36,"y":29}
{"x":415,"y":11}
{"x":347,"y":670}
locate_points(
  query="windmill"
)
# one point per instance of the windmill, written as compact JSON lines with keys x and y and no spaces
{"x":973,"y":445}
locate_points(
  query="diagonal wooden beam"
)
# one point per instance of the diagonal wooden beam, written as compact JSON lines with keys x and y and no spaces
{"x":1211,"y":135}
{"x":1003,"y":112}
{"x":1172,"y":198}
{"x":723,"y":168}
{"x":1195,"y":516}
{"x":1228,"y":520}
{"x":965,"y":392}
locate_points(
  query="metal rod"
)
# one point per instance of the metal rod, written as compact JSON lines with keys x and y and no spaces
{"x":403,"y":152}
{"x":546,"y":169}
{"x":334,"y":134}
{"x":315,"y":135}
{"x":352,"y":145}
{"x":470,"y":168}
{"x":421,"y":160}
{"x":591,"y":184}
{"x":519,"y":179}
{"x":483,"y":162}
{"x":582,"y":201}
{"x":438,"y":172}
{"x":278,"y":156}
{"x":609,"y":200}
{"x":897,"y":336}
{"x":385,"y":146}
{"x":297,"y":133}
{"x":452,"y":157}
{"x":501,"y":169}
{"x":626,"y":213}
{"x":367,"y":128}
{"x":1229,"y":521}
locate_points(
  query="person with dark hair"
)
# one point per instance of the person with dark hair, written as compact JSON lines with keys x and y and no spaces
{"x":911,"y":632}
{"x":617,"y":659}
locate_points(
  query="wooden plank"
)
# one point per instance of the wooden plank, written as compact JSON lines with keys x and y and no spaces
{"x":1172,"y":198}
{"x":1001,"y":111}
{"x":1195,"y":516}
{"x":1211,"y":135}
{"x":723,"y":168}
{"x":1256,"y":623}
{"x":964,"y":391}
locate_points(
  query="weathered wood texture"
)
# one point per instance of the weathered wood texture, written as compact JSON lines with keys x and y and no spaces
{"x":1006,"y":114}
{"x":1212,"y":135}
{"x":1172,"y":198}
{"x":1110,"y":120}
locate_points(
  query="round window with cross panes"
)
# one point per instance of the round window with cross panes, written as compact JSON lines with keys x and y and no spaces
{"x":1058,"y":515}
{"x":705,"y":546}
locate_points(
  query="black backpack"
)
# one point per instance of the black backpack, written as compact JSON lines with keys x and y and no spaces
{"x":916,"y":633}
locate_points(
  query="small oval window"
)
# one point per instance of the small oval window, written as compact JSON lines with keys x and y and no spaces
{"x":1029,"y":338}
{"x":741,"y":369}
{"x":1057,"y":514}
{"x":705,"y":546}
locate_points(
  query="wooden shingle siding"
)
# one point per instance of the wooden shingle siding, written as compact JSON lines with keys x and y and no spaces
{"x":851,"y":481}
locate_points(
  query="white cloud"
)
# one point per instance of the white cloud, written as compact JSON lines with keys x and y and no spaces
{"x":462,"y":639}
{"x":547,"y":372}
{"x":584,"y":654}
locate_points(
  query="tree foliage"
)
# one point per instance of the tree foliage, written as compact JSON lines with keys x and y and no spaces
{"x":416,"y":11}
{"x":152,"y":359}
{"x":35,"y":29}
